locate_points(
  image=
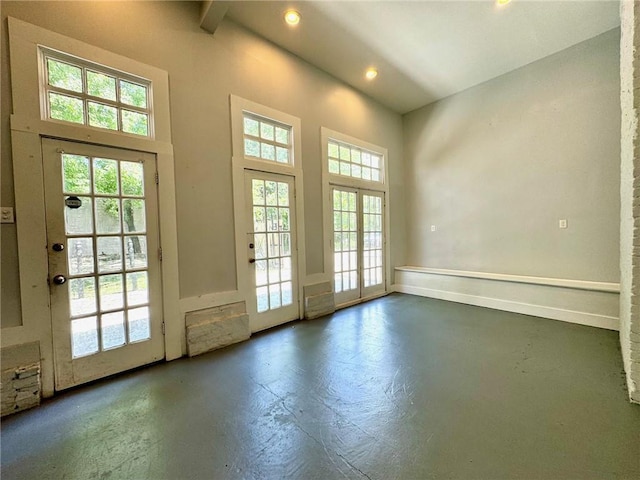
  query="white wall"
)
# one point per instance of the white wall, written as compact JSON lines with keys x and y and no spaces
{"x":495,"y":167}
{"x":203,"y":71}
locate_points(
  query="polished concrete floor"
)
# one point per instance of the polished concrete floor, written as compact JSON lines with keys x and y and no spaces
{"x":402,"y":387}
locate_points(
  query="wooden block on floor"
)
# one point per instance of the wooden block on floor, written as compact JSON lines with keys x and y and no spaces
{"x":216,"y":327}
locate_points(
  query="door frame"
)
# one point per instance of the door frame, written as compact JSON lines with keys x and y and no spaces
{"x":268,"y":316}
{"x":27,"y":129}
{"x":69,"y":371}
{"x":240,"y":164}
{"x":331,"y":180}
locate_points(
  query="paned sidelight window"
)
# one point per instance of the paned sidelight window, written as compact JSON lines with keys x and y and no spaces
{"x":266,"y":139}
{"x":80,"y":92}
{"x":351,"y":161}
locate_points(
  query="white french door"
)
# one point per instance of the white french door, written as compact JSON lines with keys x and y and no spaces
{"x":104,"y":265}
{"x":271,"y":249}
{"x":358,"y":243}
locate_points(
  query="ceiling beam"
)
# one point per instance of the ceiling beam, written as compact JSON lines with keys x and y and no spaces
{"x":211,"y":14}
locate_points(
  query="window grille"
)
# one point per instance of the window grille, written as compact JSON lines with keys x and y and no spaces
{"x":266,"y":139}
{"x":351,"y":161}
{"x":81,"y":92}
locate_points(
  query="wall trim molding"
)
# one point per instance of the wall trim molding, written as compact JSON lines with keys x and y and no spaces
{"x":209,"y":300}
{"x":548,"y":281}
{"x":583,"y":318}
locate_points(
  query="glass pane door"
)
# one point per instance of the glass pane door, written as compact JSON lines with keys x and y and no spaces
{"x":346,"y":239}
{"x":271,"y":248}
{"x":358,"y":244}
{"x":102,"y":226}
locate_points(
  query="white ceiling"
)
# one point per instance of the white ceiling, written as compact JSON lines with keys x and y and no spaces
{"x":424,"y":50}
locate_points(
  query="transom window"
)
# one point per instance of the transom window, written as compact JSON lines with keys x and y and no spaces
{"x":266,"y":139}
{"x":351,"y":161}
{"x":78,"y":91}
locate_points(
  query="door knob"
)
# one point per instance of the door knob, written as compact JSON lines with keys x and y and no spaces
{"x":58,"y":247}
{"x":252,"y":260}
{"x":59,"y":279}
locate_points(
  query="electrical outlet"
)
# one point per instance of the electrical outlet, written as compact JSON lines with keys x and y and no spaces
{"x":433,"y":228}
{"x":562,"y":223}
{"x":6,"y":215}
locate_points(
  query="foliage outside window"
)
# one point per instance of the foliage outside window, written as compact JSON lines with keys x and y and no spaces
{"x":351,"y":161}
{"x":79,"y":92}
{"x":266,"y":139}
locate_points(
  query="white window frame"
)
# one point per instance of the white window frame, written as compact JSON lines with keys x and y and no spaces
{"x":351,"y":146}
{"x":330,"y":179}
{"x":63,"y":57}
{"x":27,"y":130}
{"x":240,"y":163}
{"x":274,"y":143}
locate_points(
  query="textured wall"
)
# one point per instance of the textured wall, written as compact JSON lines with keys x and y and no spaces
{"x":630,"y":196}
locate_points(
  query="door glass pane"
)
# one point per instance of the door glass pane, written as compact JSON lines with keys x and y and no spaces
{"x":111,"y":292}
{"x":273,"y":249}
{"x":106,"y":252}
{"x":133,"y":214}
{"x":105,"y":176}
{"x":79,"y":221}
{"x":113,"y":330}
{"x":137,"y":288}
{"x":132,"y":179}
{"x":109,"y":254}
{"x":136,"y":251}
{"x":80,"y":256}
{"x":76,"y":177}
{"x":82,"y":296}
{"x":372,"y":246}
{"x":345,"y":238}
{"x":107,"y":215}
{"x":139,"y":326}
{"x":84,"y":336}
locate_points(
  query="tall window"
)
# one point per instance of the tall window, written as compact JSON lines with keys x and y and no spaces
{"x":81,"y":92}
{"x":267,"y":139}
{"x":351,"y":161}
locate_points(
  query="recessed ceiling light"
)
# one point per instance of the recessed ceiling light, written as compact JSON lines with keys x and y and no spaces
{"x":371,"y":73}
{"x":292,"y":17}
{"x":502,"y":3}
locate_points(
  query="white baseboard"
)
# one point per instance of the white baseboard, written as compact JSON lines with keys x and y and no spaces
{"x":558,"y":300}
{"x":583,"y":318}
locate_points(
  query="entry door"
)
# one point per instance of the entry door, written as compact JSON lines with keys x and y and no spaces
{"x":271,"y":249}
{"x":358,"y":244}
{"x":104,"y":265}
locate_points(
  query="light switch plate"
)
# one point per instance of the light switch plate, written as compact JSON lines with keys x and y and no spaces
{"x":6,"y":215}
{"x":433,"y":228}
{"x":562,"y":223}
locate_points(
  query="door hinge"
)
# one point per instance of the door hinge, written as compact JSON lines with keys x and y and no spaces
{"x":163,"y":330}
{"x":157,"y":178}
{"x":160,"y":253}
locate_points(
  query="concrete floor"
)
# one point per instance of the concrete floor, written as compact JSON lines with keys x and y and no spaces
{"x":401,"y":387}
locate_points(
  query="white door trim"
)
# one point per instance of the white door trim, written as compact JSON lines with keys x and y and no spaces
{"x":240,"y":163}
{"x":27,"y":129}
{"x":330,"y":180}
